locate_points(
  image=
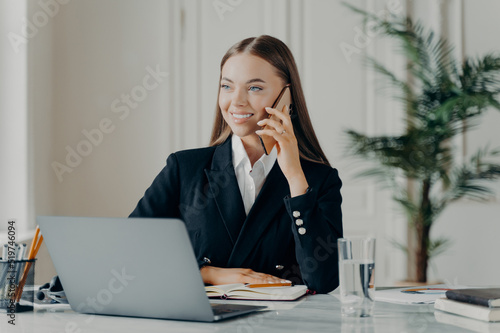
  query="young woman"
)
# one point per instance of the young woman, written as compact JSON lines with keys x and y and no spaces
{"x":252,"y":217}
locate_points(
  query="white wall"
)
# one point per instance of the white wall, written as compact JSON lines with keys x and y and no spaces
{"x":103,"y":52}
{"x":14,"y":194}
{"x":92,"y":52}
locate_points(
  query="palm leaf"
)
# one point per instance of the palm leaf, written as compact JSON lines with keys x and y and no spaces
{"x":438,"y":246}
{"x":399,"y":245}
{"x":468,"y":179}
{"x":408,"y":206}
{"x":395,"y":82}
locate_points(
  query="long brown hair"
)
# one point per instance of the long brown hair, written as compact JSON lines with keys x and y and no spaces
{"x":280,"y":57}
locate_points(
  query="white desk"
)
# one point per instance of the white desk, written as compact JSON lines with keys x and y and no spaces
{"x":319,"y":313}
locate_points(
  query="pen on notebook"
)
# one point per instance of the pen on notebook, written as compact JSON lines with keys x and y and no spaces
{"x":267,"y":285}
{"x":425,"y":290}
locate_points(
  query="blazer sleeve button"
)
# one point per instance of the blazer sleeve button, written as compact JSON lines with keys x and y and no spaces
{"x":299,"y":222}
{"x":296,"y":213}
{"x":302,"y":230}
{"x":207,"y":260}
{"x":280,"y":267}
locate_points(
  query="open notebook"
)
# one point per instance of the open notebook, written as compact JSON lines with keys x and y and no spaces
{"x":243,"y":292}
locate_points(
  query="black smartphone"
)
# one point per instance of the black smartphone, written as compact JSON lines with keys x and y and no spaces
{"x":281,"y":103}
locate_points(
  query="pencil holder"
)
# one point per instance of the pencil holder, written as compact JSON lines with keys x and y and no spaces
{"x":17,"y":279}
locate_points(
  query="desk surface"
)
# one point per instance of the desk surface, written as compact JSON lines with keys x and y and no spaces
{"x":318,"y":313}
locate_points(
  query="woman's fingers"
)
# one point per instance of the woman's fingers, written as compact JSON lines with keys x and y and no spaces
{"x":277,"y":126}
{"x":255,"y":277}
{"x":283,"y":116}
{"x":250,"y":276}
{"x":271,"y":123}
{"x":270,"y":132}
{"x":217,"y":275}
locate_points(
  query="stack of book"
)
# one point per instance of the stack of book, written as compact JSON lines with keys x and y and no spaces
{"x":477,"y":303}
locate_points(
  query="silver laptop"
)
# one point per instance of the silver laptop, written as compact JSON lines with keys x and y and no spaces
{"x":137,"y":267}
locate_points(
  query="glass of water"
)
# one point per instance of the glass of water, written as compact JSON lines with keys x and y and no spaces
{"x":357,"y":276}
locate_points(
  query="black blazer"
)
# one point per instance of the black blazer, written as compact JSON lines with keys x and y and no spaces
{"x":199,"y":186}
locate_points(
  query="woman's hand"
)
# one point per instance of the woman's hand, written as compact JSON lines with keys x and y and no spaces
{"x":216,"y":275}
{"x":288,"y":149}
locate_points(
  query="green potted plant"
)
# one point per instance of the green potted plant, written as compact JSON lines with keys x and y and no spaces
{"x":443,"y":98}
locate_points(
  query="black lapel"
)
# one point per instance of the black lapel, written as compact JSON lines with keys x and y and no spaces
{"x":267,"y":204}
{"x":225,"y":190}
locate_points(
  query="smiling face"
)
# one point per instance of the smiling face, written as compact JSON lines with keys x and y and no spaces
{"x":248,"y":85}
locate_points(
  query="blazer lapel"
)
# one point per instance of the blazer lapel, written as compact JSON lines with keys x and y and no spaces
{"x":267,"y":204}
{"x":225,"y":190}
